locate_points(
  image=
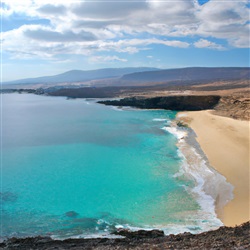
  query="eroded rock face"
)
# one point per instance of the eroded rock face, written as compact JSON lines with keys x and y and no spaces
{"x":237,"y":107}
{"x":178,"y":103}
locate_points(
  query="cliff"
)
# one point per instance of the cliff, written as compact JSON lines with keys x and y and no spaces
{"x":178,"y":103}
{"x":237,"y":107}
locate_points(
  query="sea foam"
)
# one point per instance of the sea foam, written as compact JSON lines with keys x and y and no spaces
{"x":211,"y":189}
{"x":160,"y":119}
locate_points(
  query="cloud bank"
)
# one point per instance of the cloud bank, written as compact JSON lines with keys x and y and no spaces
{"x":89,"y":27}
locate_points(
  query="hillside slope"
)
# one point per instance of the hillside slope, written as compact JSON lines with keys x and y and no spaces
{"x":82,"y":75}
{"x":189,"y":74}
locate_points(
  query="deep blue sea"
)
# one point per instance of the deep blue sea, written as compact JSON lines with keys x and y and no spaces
{"x":75,"y":168}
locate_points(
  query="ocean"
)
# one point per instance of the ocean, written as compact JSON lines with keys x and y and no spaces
{"x":74,"y":168}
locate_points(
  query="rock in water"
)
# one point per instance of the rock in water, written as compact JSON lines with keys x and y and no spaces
{"x":71,"y":214}
{"x":8,"y":197}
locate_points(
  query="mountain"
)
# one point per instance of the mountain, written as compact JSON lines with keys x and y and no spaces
{"x":82,"y":75}
{"x":189,"y":74}
{"x":139,"y":76}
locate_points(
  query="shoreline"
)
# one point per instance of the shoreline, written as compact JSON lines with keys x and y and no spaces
{"x":209,"y":184}
{"x":198,"y":143}
{"x":222,"y":238}
{"x":225,"y":142}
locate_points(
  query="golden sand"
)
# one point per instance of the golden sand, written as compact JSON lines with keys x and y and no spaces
{"x":225,"y":142}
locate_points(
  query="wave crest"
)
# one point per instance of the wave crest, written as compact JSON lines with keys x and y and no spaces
{"x":211,"y":190}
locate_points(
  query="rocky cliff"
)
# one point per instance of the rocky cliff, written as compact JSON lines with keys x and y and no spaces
{"x":237,"y":107}
{"x":178,"y":103}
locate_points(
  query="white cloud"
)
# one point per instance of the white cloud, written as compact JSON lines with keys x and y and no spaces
{"x":49,"y":9}
{"x":30,"y":7}
{"x":48,"y":35}
{"x":143,"y":42}
{"x":86,"y":27}
{"x":37,"y":41}
{"x":101,"y":59}
{"x":226,"y":20}
{"x":19,"y":45}
{"x":133,"y":46}
{"x":104,"y":9}
{"x":203,"y":43}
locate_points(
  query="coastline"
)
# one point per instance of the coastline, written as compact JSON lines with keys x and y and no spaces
{"x":222,"y":237}
{"x":225,"y":142}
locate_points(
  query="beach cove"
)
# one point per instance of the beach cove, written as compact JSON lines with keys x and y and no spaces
{"x":66,"y":176}
{"x":176,"y":169}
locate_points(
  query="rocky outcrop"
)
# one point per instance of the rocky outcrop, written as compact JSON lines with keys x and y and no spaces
{"x":222,"y":238}
{"x":20,"y":91}
{"x":87,"y":92}
{"x":139,"y":234}
{"x":178,"y":103}
{"x":237,"y":107}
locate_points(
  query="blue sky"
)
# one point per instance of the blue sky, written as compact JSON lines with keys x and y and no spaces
{"x":47,"y":37}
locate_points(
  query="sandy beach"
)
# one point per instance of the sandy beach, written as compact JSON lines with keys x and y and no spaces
{"x":225,"y":142}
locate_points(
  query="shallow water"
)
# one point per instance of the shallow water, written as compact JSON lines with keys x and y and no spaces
{"x":75,"y":168}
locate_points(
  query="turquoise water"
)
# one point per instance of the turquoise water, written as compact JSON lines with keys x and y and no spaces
{"x":77,"y":168}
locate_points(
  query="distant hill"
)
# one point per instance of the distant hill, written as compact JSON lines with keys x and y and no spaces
{"x":189,"y":74}
{"x":141,"y":76}
{"x":82,"y":75}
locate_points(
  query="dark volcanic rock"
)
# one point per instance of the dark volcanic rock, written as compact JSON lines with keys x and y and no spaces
{"x":20,"y":91}
{"x":87,"y":92}
{"x":179,"y":103}
{"x":222,"y":238}
{"x":140,"y":233}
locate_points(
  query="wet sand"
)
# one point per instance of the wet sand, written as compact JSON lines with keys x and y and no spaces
{"x":225,"y":142}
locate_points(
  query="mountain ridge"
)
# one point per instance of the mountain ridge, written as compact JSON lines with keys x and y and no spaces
{"x":190,"y":74}
{"x":134,"y":76}
{"x":82,"y":75}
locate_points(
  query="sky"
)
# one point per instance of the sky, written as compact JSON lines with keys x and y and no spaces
{"x":48,"y":37}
